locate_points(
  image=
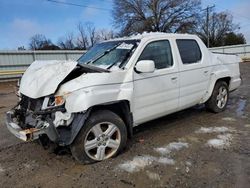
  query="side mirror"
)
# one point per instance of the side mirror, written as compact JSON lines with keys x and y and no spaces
{"x":145,"y":66}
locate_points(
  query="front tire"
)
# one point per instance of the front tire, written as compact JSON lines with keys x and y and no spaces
{"x":219,"y":98}
{"x":103,"y":136}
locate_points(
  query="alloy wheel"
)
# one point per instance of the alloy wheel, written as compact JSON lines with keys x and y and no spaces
{"x":102,"y":141}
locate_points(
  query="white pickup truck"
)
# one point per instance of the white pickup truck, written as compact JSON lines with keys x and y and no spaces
{"x":92,"y":105}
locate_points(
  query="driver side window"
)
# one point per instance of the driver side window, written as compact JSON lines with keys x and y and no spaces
{"x":159,"y":52}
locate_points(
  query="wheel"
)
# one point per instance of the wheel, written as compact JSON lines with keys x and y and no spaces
{"x":219,"y":98}
{"x":103,"y":136}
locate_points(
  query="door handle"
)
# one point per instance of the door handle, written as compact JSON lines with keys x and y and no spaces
{"x":205,"y":73}
{"x":174,"y":78}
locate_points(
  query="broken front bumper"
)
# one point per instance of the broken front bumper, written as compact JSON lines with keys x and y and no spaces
{"x":31,"y":133}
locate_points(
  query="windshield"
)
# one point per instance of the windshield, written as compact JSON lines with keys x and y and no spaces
{"x":109,"y":54}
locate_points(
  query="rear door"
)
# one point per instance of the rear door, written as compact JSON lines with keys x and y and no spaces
{"x":194,"y":72}
{"x":157,"y":93}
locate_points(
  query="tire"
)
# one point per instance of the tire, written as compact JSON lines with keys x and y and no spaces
{"x":103,"y":136}
{"x":220,"y":93}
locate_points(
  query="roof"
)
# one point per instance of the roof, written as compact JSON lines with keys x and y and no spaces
{"x":153,"y":35}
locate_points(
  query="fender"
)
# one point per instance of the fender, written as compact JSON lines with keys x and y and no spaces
{"x":215,"y":76}
{"x":83,"y":99}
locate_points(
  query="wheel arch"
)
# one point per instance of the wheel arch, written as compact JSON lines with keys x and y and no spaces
{"x":226,"y":79}
{"x":213,"y":82}
{"x":122,"y":109}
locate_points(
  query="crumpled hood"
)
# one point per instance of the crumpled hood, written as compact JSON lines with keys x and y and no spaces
{"x":93,"y":80}
{"x":43,"y":77}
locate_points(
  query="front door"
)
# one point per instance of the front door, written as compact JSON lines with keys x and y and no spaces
{"x":156,"y":94}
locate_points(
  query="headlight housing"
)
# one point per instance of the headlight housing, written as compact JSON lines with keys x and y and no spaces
{"x":52,"y":102}
{"x":59,"y":100}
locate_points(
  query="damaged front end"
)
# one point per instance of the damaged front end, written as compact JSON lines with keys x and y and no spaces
{"x":40,"y":113}
{"x":32,"y":119}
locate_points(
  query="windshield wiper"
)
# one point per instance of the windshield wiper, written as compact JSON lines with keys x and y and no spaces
{"x":104,"y":53}
{"x":124,"y":59}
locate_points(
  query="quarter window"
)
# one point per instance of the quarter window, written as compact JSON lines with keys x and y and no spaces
{"x":159,"y":52}
{"x":189,"y":50}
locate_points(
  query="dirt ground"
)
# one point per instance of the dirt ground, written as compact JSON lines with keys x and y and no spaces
{"x":191,"y":148}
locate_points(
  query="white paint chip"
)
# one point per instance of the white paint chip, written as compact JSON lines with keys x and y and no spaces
{"x":1,"y":169}
{"x":173,"y":146}
{"x":188,"y":163}
{"x":166,"y":160}
{"x":153,"y":176}
{"x":221,"y":142}
{"x":247,"y":125}
{"x":228,"y":119}
{"x":213,"y":130}
{"x":31,"y":164}
{"x":27,"y":165}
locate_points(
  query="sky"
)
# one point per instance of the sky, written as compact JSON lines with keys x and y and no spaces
{"x":21,"y":19}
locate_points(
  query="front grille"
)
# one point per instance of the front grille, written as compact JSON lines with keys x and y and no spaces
{"x":25,"y":115}
{"x":31,"y":104}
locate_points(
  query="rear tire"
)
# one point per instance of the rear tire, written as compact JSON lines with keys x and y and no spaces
{"x":219,"y":98}
{"x":103,"y":136}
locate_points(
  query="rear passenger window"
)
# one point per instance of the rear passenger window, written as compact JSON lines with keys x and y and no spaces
{"x":159,"y":52}
{"x":189,"y":50}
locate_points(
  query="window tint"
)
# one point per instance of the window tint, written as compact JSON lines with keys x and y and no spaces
{"x":159,"y":52}
{"x":189,"y":50}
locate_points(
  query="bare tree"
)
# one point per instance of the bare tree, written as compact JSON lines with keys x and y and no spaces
{"x":21,"y":48}
{"x":91,"y":32}
{"x":105,"y":34}
{"x":67,"y":42}
{"x":38,"y":41}
{"x":220,"y":24}
{"x":82,"y":39}
{"x":133,"y":16}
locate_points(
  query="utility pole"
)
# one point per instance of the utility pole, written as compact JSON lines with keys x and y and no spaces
{"x":208,"y":9}
{"x":208,"y":26}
